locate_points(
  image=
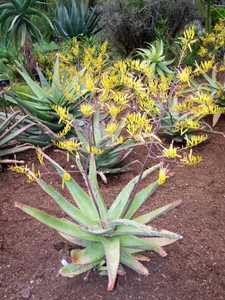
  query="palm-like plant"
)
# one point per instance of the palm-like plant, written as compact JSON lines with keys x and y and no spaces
{"x":16,"y":23}
{"x":76,"y":19}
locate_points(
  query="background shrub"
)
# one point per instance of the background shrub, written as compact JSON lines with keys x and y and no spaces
{"x":129,"y":24}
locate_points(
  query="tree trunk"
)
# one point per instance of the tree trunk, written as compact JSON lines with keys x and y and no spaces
{"x":30,"y":63}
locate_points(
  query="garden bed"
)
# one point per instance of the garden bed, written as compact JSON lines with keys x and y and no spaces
{"x":30,"y":253}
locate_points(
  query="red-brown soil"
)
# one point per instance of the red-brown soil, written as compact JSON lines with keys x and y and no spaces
{"x":30,"y":253}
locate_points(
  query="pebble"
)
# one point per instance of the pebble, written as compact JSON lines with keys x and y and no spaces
{"x":26,"y":293}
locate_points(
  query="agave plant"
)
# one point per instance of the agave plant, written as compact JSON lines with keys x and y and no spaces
{"x":46,"y":98}
{"x":11,"y":129}
{"x":154,"y":56}
{"x":76,"y":19}
{"x":16,"y":22}
{"x":110,"y":237}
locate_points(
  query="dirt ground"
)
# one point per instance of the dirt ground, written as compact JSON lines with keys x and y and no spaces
{"x":30,"y":253}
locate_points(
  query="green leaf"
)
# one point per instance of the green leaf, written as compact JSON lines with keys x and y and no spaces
{"x":80,"y":197}
{"x":142,"y":244}
{"x":89,"y":255}
{"x":129,"y":260}
{"x":120,"y":204}
{"x":73,"y":240}
{"x":95,"y":188}
{"x":147,"y":218}
{"x":71,"y":270}
{"x":97,"y":129}
{"x":130,"y":227}
{"x":35,"y":87}
{"x":58,"y":224}
{"x":65,"y":205}
{"x":112,"y":253}
{"x":140,"y":198}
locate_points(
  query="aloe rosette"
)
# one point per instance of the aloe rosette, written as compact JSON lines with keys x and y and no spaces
{"x":110,"y":237}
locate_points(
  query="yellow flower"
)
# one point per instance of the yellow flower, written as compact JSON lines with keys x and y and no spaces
{"x":209,"y":38}
{"x":66,"y":177}
{"x":195,"y":140}
{"x":164,"y":84}
{"x":138,"y":126}
{"x":204,"y":66}
{"x":171,"y":152}
{"x":148,"y":105}
{"x":188,"y":38}
{"x":86,"y":109}
{"x":162,"y":176}
{"x":40,"y":156}
{"x":219,"y":26}
{"x":65,"y":130}
{"x":114,"y":111}
{"x":94,"y":150}
{"x":69,"y":145}
{"x":111,"y":129}
{"x":32,"y":176}
{"x":202,"y":52}
{"x":187,"y":124}
{"x":190,"y":159}
{"x":184,"y":75}
{"x":203,"y":98}
{"x":210,"y":109}
{"x":185,"y":106}
{"x":221,"y":68}
{"x":90,"y":83}
{"x":189,"y":33}
{"x":119,"y":98}
{"x":120,"y":140}
{"x":19,"y":169}
{"x":108,"y":82}
{"x":62,"y":112}
{"x":120,"y":66}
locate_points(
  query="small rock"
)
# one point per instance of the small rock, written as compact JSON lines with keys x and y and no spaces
{"x":26,"y":293}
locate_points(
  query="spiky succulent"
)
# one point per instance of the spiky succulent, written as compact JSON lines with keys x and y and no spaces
{"x":110,"y":237}
{"x":12,"y":127}
{"x":49,"y":103}
{"x":75,"y":19}
{"x":154,"y":56}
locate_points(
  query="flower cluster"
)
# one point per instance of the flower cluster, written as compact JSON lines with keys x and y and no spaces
{"x":211,"y":43}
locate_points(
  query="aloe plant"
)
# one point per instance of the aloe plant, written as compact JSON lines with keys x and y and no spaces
{"x":47,"y":94}
{"x":11,"y":129}
{"x":110,"y":237}
{"x":76,"y":19}
{"x":154,"y":56}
